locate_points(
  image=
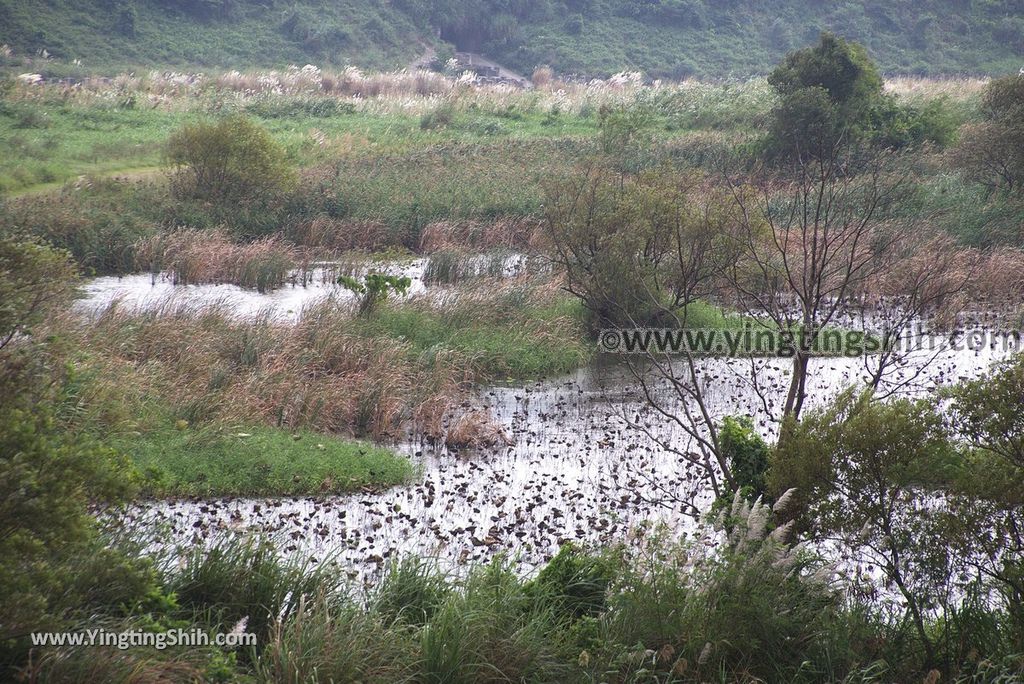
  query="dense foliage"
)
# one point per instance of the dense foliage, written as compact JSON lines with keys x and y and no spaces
{"x":230,"y":159}
{"x":831,"y":101}
{"x":48,"y":476}
{"x":664,"y":38}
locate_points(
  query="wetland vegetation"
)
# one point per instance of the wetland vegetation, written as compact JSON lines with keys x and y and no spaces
{"x":314,"y":355}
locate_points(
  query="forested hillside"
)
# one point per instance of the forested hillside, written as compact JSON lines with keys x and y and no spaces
{"x":663,"y":38}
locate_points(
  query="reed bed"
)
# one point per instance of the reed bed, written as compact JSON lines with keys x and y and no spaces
{"x":194,"y":257}
{"x":334,"y":235}
{"x":209,"y":366}
{"x":401,"y":369}
{"x":999,"y":278}
{"x":418,"y":91}
{"x":523,"y":234}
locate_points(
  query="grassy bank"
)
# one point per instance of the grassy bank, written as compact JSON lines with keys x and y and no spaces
{"x":753,"y":610}
{"x":51,"y":139}
{"x":411,"y":123}
{"x":256,"y":461}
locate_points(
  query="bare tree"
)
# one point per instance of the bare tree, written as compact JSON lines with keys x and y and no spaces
{"x":789,"y":252}
{"x":808,"y":241}
{"x":921,"y":290}
{"x":639,"y":252}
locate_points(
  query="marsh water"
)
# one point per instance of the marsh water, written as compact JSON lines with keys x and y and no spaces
{"x":575,"y":466}
{"x":149,"y":291}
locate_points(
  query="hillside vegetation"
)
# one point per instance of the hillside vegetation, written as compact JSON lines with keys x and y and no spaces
{"x":114,"y":34}
{"x":663,"y":38}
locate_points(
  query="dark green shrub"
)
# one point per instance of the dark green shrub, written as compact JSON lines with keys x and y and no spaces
{"x":841,"y":68}
{"x":896,"y":126}
{"x":806,"y":124}
{"x":827,"y":93}
{"x":574,"y":584}
{"x":230,"y":159}
{"x":48,"y":477}
{"x":747,"y":454}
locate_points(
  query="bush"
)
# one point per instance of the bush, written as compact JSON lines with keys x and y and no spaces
{"x":828,"y":91}
{"x":332,"y":640}
{"x":48,"y":477}
{"x":574,"y":584}
{"x":230,"y":159}
{"x":806,"y":124}
{"x":895,"y":127}
{"x":48,"y":481}
{"x":841,"y":68}
{"x":490,"y":631}
{"x":95,"y":226}
{"x":992,"y":152}
{"x":622,"y":240}
{"x":410,"y":592}
{"x":747,"y":454}
{"x":243,"y":578}
{"x":750,"y":609}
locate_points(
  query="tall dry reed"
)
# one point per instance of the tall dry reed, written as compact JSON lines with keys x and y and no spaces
{"x":194,"y":257}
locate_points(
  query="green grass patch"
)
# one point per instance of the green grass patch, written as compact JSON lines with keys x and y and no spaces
{"x":501,"y":341}
{"x":258,"y":461}
{"x":51,"y":141}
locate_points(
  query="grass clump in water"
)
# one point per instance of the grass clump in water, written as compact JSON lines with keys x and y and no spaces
{"x":506,"y":331}
{"x":258,"y":462}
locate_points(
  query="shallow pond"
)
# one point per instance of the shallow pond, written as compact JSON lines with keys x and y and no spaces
{"x":148,"y":291}
{"x":576,"y":467}
{"x":574,"y":470}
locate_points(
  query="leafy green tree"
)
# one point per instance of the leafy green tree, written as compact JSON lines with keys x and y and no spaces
{"x":933,"y":500}
{"x":869,"y":476}
{"x":985,"y":416}
{"x":987,"y":412}
{"x":832,"y":101}
{"x":841,"y":68}
{"x":826,"y":93}
{"x":34,"y":279}
{"x":227,"y":160}
{"x":806,"y":125}
{"x":48,"y":476}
